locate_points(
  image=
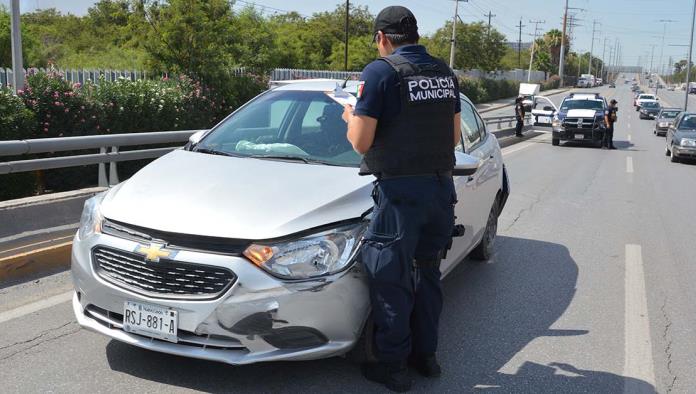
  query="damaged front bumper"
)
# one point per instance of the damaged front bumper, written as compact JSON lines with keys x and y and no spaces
{"x":258,"y":318}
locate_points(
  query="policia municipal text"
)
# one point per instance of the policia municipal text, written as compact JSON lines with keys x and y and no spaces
{"x":406,"y":123}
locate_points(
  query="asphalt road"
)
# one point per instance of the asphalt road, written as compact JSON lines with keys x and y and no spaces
{"x":590,"y":291}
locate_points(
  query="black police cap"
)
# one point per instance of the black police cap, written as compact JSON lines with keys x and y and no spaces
{"x":396,"y":20}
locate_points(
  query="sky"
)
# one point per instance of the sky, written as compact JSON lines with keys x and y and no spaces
{"x":634,"y":23}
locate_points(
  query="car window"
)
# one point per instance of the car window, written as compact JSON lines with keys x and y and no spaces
{"x":688,"y":122}
{"x":470,"y":127}
{"x":669,"y":114}
{"x":313,"y":129}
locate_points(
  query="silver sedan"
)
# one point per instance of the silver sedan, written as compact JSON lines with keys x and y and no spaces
{"x":243,"y":246}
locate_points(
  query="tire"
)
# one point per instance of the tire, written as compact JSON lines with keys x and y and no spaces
{"x":484,"y":250}
{"x":555,"y":141}
{"x":674,"y":159}
{"x":364,"y":350}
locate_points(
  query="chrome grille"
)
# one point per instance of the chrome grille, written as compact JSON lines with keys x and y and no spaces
{"x":163,"y":279}
{"x":579,"y":123}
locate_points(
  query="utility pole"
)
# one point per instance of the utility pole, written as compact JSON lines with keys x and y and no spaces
{"x":519,"y":46}
{"x":345,"y":60}
{"x":16,"y":37}
{"x":652,"y":52}
{"x":604,"y":50}
{"x":688,"y":61}
{"x":454,"y":31}
{"x":489,"y":15}
{"x":531,"y":57}
{"x":561,"y":61}
{"x":594,"y":29}
{"x":662,"y":47}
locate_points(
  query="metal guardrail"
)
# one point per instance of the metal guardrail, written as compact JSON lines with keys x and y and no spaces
{"x":109,"y":153}
{"x":101,"y":142}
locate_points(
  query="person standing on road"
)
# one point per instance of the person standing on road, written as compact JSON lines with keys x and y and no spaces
{"x":519,"y":115}
{"x":609,"y":120}
{"x":406,"y":123}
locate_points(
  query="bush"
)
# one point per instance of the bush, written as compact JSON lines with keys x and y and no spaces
{"x":50,"y":106}
{"x":485,"y":90}
{"x":552,"y":83}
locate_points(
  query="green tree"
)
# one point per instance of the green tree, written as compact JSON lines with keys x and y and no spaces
{"x":474,"y":47}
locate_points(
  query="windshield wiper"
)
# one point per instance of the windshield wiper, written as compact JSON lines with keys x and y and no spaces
{"x":305,"y":160}
{"x":214,"y":152}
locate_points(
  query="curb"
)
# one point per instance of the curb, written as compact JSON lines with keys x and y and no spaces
{"x":39,"y":261}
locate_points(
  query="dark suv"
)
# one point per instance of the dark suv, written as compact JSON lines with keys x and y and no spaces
{"x":580,"y":118}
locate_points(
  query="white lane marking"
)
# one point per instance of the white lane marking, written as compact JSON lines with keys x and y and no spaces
{"x":628,"y":137}
{"x":629,"y":165}
{"x":38,"y":243}
{"x":35,"y":306}
{"x":73,"y":226}
{"x":638,"y":358}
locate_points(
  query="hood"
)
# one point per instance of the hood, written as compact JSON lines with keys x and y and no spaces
{"x":581,"y":113}
{"x":231,"y":197}
{"x":685,"y":134}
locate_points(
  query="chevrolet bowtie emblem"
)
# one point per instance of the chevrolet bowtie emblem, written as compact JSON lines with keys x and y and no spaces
{"x":154,"y":252}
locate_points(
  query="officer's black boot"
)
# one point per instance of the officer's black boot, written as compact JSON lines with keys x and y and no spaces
{"x":394,"y":375}
{"x":426,"y":365}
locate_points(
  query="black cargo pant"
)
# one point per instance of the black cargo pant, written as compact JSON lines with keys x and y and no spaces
{"x":519,"y":126}
{"x":609,"y":136}
{"x":413,"y":219}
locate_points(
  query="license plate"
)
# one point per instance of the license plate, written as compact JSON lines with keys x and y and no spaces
{"x":579,"y":136}
{"x":543,"y":119}
{"x":150,"y":320}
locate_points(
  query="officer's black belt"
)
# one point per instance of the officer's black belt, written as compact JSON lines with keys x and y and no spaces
{"x":443,"y":174}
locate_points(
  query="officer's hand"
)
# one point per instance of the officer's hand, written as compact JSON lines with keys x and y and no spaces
{"x":347,"y":112}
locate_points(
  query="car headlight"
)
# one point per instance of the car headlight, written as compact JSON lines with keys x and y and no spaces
{"x":556,"y":123}
{"x":311,"y":256}
{"x":688,"y":142}
{"x":91,"y":219}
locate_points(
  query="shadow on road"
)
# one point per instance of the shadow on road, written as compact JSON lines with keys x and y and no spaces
{"x":492,"y":311}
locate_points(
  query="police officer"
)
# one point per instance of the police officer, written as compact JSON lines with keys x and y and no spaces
{"x":519,"y":116}
{"x":609,"y":120}
{"x":406,"y":123}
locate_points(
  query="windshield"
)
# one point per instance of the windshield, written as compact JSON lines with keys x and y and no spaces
{"x":651,"y":105}
{"x":597,"y":105}
{"x":646,"y":97}
{"x":297,"y":124}
{"x":688,"y":122}
{"x":669,"y":114}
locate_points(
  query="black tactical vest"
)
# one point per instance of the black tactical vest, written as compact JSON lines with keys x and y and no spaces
{"x":420,"y":139}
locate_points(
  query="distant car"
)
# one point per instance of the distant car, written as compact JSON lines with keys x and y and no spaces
{"x":580,"y":118}
{"x":664,"y":119}
{"x":649,"y":109}
{"x":681,"y":137}
{"x":644,"y":97}
{"x":671,"y":88}
{"x":612,"y":85}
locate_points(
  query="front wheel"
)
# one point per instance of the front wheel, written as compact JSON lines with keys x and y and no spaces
{"x":484,"y":250}
{"x":364,"y":350}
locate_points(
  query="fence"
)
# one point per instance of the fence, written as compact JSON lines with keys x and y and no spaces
{"x":80,"y":75}
{"x":511,"y":75}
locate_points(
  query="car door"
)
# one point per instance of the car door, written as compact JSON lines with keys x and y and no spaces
{"x":473,"y":202}
{"x":543,"y":111}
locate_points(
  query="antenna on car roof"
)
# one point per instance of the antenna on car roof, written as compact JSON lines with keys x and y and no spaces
{"x":343,"y":86}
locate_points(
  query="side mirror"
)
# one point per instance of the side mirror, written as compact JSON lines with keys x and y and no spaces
{"x":465,"y":165}
{"x":196,"y":137}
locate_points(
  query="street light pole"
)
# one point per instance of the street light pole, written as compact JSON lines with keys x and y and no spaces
{"x":688,"y":61}
{"x":17,"y":61}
